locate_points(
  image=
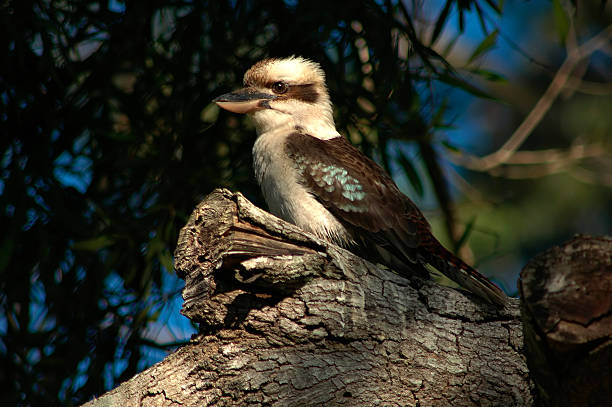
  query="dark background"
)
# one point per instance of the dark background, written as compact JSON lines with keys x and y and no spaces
{"x":109,"y":140}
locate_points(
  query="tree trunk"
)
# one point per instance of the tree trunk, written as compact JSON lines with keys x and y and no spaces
{"x":290,"y":320}
{"x":567,"y":314}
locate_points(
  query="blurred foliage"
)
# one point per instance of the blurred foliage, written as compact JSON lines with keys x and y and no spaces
{"x":109,"y":141}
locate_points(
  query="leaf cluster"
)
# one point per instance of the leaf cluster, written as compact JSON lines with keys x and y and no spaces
{"x":109,"y":140}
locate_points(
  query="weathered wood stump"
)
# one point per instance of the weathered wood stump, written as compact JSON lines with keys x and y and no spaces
{"x":567,"y":311}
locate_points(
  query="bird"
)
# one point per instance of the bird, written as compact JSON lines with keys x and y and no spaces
{"x":313,"y":177}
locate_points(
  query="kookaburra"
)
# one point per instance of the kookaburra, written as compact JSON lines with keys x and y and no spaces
{"x":311,"y":176}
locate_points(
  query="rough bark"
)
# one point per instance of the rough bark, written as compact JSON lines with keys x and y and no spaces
{"x":567,"y":313}
{"x":289,"y":320}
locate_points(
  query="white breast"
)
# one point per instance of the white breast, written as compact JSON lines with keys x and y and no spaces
{"x":285,"y":197}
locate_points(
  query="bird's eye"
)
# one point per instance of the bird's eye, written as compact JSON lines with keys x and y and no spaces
{"x":279,"y":87}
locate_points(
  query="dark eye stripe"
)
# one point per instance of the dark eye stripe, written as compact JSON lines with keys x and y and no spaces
{"x":305,"y":93}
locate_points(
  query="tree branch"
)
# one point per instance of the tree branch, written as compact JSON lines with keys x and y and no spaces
{"x":561,"y":78}
{"x":287,"y":319}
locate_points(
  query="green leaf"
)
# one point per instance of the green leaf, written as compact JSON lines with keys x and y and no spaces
{"x":450,"y":45}
{"x":489,"y":75}
{"x":461,"y":19}
{"x":443,"y":126}
{"x":484,"y":46}
{"x":94,"y":244}
{"x":411,"y":173}
{"x":466,"y":233}
{"x":497,"y":8}
{"x":561,"y":20}
{"x":480,"y":13}
{"x":462,"y":84}
{"x":440,"y":22}
{"x":166,"y":261}
{"x":438,"y":117}
{"x":450,"y":147}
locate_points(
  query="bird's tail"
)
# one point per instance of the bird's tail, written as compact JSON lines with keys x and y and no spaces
{"x":461,"y":273}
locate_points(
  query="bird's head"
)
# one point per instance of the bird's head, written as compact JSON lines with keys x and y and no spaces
{"x":284,"y":92}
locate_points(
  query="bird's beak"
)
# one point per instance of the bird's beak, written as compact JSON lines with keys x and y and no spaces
{"x":244,"y":100}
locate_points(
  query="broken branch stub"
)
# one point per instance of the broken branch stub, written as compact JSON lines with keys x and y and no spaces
{"x":567,"y":313}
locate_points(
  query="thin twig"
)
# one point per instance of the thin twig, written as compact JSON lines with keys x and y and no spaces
{"x":534,"y":117}
{"x":535,"y":164}
{"x":472,"y":193}
{"x":574,"y":153}
{"x":590,"y":88}
{"x":590,"y":177}
{"x":529,"y":172}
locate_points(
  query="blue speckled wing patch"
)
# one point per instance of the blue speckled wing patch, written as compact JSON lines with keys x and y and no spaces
{"x":333,"y":180}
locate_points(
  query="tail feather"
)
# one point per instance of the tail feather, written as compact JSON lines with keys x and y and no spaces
{"x":464,"y":275}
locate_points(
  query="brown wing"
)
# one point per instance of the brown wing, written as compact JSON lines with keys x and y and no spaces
{"x":358,"y":192}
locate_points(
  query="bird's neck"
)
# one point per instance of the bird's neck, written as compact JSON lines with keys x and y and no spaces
{"x":314,"y":121}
